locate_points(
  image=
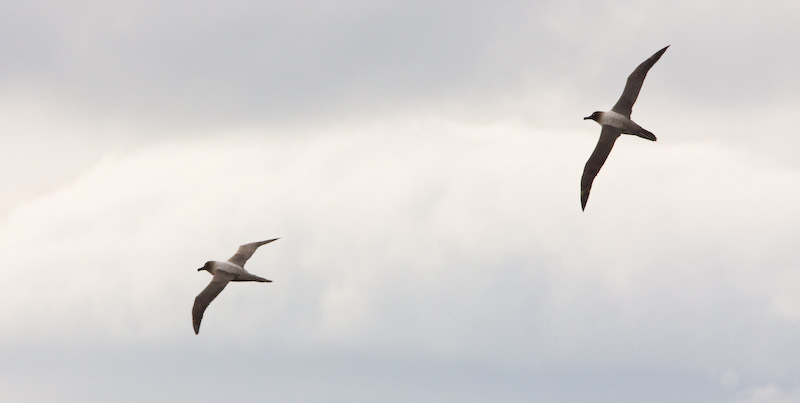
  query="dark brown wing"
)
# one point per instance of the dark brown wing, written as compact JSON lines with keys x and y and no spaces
{"x":205,"y":297}
{"x":608,"y":135}
{"x":634,"y":85}
{"x":245,"y":251}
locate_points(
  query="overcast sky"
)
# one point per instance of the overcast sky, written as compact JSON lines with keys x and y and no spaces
{"x":421,"y":164}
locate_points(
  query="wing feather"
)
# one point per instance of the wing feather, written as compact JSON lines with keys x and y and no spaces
{"x":608,"y":135}
{"x":634,"y":84}
{"x":205,"y":297}
{"x":246,"y":251}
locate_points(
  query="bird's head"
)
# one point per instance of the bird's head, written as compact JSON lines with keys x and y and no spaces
{"x":594,"y":116}
{"x":206,"y":267}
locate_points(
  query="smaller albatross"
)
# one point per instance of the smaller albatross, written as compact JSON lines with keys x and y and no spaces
{"x":224,"y":272}
{"x":615,"y":122}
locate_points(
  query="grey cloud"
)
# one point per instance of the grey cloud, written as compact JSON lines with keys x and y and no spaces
{"x":205,"y":65}
{"x":258,"y":64}
{"x":191,"y":70}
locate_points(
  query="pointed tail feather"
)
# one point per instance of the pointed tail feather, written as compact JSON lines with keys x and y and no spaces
{"x":646,"y":135}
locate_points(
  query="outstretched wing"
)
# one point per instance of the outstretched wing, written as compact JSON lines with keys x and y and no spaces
{"x":245,"y":251}
{"x":608,"y":135}
{"x":211,"y":291}
{"x":634,"y":85}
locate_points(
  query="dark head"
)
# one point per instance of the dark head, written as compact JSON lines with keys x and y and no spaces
{"x":206,"y":266}
{"x":594,"y":116}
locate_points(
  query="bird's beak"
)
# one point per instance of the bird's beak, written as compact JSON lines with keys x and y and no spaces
{"x":588,"y":117}
{"x":200,"y":269}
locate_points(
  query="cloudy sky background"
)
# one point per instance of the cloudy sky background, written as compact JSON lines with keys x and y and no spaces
{"x":421,"y":164}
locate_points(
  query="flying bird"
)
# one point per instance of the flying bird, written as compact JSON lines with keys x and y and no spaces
{"x":615,"y":122}
{"x":224,"y":272}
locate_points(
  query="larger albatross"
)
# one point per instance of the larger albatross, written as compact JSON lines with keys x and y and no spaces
{"x":224,"y":272}
{"x":615,"y":122}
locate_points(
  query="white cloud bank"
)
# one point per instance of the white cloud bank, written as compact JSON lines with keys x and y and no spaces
{"x":417,"y":241}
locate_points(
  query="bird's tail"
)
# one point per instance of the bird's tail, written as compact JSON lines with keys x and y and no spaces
{"x":251,"y":277}
{"x":646,"y":135}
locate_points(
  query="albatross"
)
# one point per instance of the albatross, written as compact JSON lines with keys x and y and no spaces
{"x":615,"y":122}
{"x":224,"y":272}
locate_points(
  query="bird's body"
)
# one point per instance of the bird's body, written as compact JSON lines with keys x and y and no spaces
{"x":615,"y":122}
{"x":234,"y":272}
{"x":623,"y":123}
{"x":225,"y":272}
